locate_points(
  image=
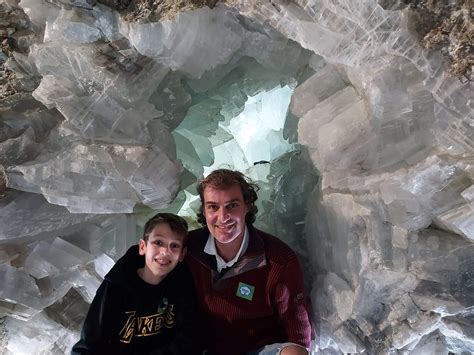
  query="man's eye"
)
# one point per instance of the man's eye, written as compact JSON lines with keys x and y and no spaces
{"x":212,"y":207}
{"x":232,"y":205}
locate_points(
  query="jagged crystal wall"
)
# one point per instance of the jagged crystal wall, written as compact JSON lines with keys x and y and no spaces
{"x":368,"y":175}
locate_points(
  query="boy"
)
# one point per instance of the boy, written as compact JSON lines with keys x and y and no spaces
{"x":149,"y":310}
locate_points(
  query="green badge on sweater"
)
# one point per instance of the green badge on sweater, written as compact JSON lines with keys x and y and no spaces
{"x":245,"y":291}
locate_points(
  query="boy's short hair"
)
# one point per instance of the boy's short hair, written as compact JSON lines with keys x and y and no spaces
{"x":176,"y":223}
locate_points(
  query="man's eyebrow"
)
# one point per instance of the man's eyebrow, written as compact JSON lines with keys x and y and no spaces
{"x":230,"y":201}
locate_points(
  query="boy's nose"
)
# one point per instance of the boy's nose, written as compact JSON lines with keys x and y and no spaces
{"x":164,"y":250}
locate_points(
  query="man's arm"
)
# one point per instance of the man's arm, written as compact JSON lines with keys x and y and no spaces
{"x":92,"y":334}
{"x":292,"y":304}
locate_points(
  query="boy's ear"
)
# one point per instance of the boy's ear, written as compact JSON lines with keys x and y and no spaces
{"x":183,"y":253}
{"x":142,"y":247}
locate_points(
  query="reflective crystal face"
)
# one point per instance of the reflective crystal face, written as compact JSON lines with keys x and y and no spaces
{"x":225,"y":212}
{"x":163,"y":249}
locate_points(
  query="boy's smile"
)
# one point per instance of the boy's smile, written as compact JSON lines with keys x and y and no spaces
{"x":163,"y":249}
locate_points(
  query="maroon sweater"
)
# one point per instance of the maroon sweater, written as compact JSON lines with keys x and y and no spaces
{"x":260,"y":300}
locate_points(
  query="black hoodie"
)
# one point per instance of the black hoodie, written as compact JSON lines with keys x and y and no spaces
{"x":130,"y":316}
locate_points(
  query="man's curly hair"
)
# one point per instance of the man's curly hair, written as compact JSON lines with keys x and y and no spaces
{"x":223,"y":179}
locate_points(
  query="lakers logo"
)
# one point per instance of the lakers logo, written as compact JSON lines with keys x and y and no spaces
{"x":146,"y":325}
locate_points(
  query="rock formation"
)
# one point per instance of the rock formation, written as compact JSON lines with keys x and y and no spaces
{"x":355,"y":118}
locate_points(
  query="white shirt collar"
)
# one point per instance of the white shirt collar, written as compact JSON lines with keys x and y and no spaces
{"x":211,"y":249}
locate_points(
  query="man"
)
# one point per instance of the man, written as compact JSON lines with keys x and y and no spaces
{"x":249,"y":283}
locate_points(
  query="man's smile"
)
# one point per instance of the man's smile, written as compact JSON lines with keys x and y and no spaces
{"x":225,"y":226}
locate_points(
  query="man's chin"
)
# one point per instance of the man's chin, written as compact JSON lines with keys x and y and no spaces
{"x":225,"y":238}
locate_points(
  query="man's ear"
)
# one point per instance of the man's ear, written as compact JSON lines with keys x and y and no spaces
{"x":142,"y":247}
{"x":247,"y":207}
{"x":183,"y":253}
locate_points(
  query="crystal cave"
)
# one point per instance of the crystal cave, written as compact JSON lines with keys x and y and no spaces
{"x":360,"y":136}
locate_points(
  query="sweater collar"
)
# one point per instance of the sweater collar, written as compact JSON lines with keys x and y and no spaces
{"x":211,"y":249}
{"x":253,"y":258}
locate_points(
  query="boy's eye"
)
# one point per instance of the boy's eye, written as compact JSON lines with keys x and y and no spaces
{"x":158,"y":242}
{"x":174,"y":246}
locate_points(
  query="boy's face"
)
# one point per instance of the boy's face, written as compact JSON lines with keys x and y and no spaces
{"x":163,"y":250}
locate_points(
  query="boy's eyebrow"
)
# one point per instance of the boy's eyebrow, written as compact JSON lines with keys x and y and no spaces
{"x":164,"y":236}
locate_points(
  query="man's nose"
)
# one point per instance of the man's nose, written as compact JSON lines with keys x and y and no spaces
{"x":223,"y":215}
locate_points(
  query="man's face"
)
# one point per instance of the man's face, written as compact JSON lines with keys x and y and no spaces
{"x":225,"y":212}
{"x":163,"y":250}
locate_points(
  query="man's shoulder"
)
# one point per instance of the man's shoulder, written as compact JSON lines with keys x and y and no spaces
{"x":203,"y":231}
{"x":197,"y":239}
{"x":276,"y":250}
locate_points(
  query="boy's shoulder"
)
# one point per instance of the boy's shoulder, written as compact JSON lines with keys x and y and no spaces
{"x":124,"y":269}
{"x":179,"y":276}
